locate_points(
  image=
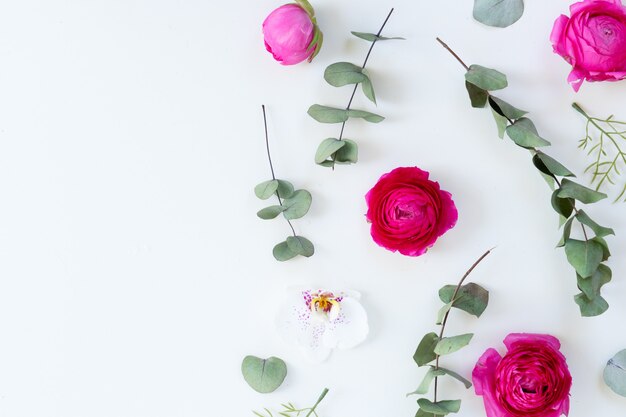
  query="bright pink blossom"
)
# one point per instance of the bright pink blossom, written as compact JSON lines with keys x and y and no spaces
{"x":289,"y":32}
{"x":593,"y":41}
{"x":408,"y":212}
{"x":531,"y":380}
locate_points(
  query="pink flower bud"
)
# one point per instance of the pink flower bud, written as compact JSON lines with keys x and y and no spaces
{"x":291,"y":33}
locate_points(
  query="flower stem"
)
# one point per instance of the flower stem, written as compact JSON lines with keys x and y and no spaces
{"x":445,"y":317}
{"x":319,"y":400}
{"x":269,"y":157}
{"x":445,"y":45}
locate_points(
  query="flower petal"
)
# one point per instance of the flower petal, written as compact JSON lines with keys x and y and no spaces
{"x":349,"y":328}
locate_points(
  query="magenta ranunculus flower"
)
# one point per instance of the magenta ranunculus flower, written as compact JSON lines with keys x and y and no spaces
{"x":291,"y":33}
{"x":408,"y":212}
{"x":531,"y":380}
{"x":593,"y":41}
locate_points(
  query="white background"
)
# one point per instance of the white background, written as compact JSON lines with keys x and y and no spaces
{"x":134,"y":274}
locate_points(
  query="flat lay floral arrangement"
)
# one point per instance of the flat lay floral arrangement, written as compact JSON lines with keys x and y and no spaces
{"x":409,"y":210}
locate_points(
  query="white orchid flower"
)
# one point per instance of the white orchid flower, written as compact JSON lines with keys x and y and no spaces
{"x":320,"y":320}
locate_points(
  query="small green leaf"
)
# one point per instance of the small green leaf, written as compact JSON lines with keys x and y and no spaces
{"x":348,"y":154}
{"x":297,"y":205}
{"x":606,"y":253}
{"x":498,"y":13}
{"x":442,"y":313}
{"x":524,"y":134}
{"x":327,"y":148}
{"x":282,"y":252}
{"x":615,"y":373}
{"x":584,"y":256}
{"x":368,"y":88}
{"x":370,"y":117}
{"x":591,"y":286}
{"x":285,"y":189}
{"x":486,"y":78}
{"x":424,"y":386}
{"x":501,"y":123}
{"x":597,"y":229}
{"x":325,"y":114}
{"x":343,"y":73}
{"x":422,"y":413}
{"x":478,"y":96}
{"x":456,"y":376}
{"x":591,"y":308}
{"x":426,"y":349}
{"x":440,"y":408}
{"x":563,"y":206}
{"x":505,"y":109}
{"x":371,"y":37}
{"x":270,"y":212}
{"x":307,"y":7}
{"x":263,"y":375}
{"x":319,"y":41}
{"x":550,"y":166}
{"x":583,"y":194}
{"x":471,"y":298}
{"x":300,"y":245}
{"x":266,"y":189}
{"x":567,"y":230}
{"x":449,"y":345}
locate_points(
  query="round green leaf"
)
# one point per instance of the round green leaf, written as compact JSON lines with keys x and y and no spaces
{"x":440,"y":408}
{"x":449,"y":345}
{"x":266,"y":189}
{"x":325,"y":114}
{"x":498,"y":13}
{"x":524,"y":133}
{"x":425,"y":351}
{"x":615,"y":373}
{"x":270,"y":212}
{"x":285,"y":189}
{"x":300,"y":245}
{"x":282,"y":252}
{"x":297,"y":205}
{"x":327,"y":148}
{"x":486,"y":78}
{"x":343,"y":73}
{"x":263,"y":375}
{"x":471,"y":298}
{"x":584,"y":256}
{"x":591,"y":308}
{"x":348,"y":154}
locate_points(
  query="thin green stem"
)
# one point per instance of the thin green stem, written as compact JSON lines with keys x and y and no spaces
{"x":319,"y":400}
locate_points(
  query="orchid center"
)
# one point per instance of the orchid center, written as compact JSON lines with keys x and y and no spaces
{"x":324,"y":304}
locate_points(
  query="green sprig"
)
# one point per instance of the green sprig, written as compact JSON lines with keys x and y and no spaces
{"x":608,"y":156}
{"x":292,"y":204}
{"x":471,"y":298}
{"x":586,"y":256}
{"x":290,"y":410}
{"x":334,"y":151}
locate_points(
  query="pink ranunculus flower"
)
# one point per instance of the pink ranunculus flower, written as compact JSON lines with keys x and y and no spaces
{"x":408,"y":212}
{"x":593,"y":41}
{"x":531,"y":380}
{"x":291,"y":33}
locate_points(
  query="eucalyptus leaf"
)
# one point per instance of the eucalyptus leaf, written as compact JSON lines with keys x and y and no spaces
{"x":498,"y":13}
{"x":422,"y":413}
{"x":343,"y":73}
{"x":440,"y":408}
{"x":471,"y":298}
{"x":563,"y":206}
{"x":370,"y":117}
{"x":297,"y":205}
{"x":584,"y":256}
{"x":583,"y":194}
{"x":282,"y":252}
{"x":615,"y":373}
{"x":567,"y":230}
{"x":347,"y":154}
{"x":325,"y":114}
{"x":600,"y":231}
{"x":505,"y":109}
{"x":266,"y":189}
{"x":486,"y":78}
{"x":270,"y":212}
{"x":550,"y":166}
{"x":606,"y":253}
{"x":327,"y":148}
{"x":368,"y":88}
{"x":442,"y":313}
{"x":425,"y":351}
{"x":478,"y":96}
{"x":300,"y":245}
{"x":524,"y":133}
{"x":591,"y":308}
{"x":285,"y":189}
{"x":371,"y":37}
{"x":501,"y":123}
{"x":591,"y":286}
{"x":452,"y":344}
{"x":263,"y":375}
{"x":428,"y":379}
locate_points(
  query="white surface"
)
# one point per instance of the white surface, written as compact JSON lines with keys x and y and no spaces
{"x":134,"y":274}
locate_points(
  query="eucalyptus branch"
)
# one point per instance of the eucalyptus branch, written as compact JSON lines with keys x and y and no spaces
{"x":586,"y":256}
{"x":606,"y":162}
{"x":471,"y":298}
{"x":292,"y":204}
{"x":289,"y":410}
{"x":334,"y":151}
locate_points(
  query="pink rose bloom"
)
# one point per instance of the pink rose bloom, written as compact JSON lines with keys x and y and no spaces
{"x":408,"y":212}
{"x":291,"y":34}
{"x":593,"y":41}
{"x":531,"y":380}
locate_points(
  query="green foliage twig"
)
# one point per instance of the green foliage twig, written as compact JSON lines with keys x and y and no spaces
{"x":292,"y":204}
{"x":339,"y":150}
{"x":471,"y":298}
{"x":289,"y":410}
{"x":586,"y":256}
{"x":606,"y":162}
